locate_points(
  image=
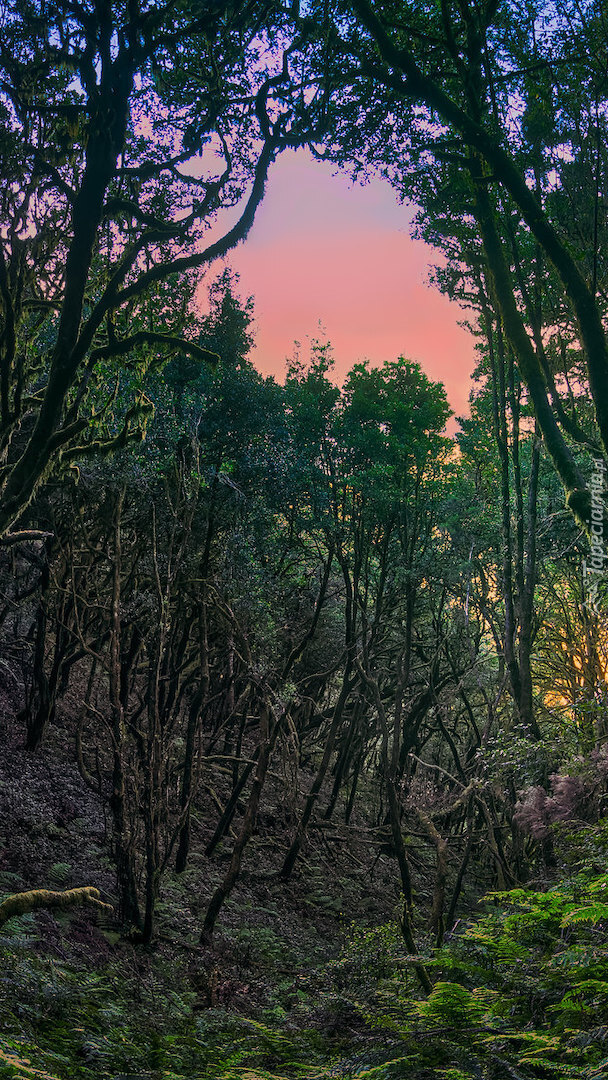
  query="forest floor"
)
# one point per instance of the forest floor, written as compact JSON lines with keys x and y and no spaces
{"x":78,"y":999}
{"x":305,"y":980}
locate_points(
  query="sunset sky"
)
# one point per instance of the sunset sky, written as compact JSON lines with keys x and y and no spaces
{"x":324,"y":252}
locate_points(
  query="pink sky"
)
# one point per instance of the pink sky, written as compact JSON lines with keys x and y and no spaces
{"x":324,"y":251}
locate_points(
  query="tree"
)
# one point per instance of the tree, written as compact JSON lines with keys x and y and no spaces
{"x":501,"y":100}
{"x":125,"y":131}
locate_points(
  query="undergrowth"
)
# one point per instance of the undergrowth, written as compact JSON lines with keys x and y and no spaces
{"x":520,"y":993}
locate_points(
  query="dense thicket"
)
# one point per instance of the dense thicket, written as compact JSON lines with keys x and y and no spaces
{"x":296,"y":614}
{"x":259,"y":639}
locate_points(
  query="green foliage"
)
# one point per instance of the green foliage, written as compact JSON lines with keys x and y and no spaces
{"x":521,"y":991}
{"x":372,"y":953}
{"x":60,"y":874}
{"x":60,"y":1021}
{"x":450,"y":1003}
{"x":262,"y":946}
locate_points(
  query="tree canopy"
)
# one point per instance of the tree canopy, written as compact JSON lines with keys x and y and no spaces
{"x":489,"y":119}
{"x":136,"y":143}
{"x":303,"y":699}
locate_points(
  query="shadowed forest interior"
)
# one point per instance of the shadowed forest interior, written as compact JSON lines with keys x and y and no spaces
{"x":303,"y":700}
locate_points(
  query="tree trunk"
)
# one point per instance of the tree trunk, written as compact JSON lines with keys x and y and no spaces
{"x":296,"y":844}
{"x":222,"y":893}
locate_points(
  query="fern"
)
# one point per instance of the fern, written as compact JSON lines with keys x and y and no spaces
{"x":589,"y":913}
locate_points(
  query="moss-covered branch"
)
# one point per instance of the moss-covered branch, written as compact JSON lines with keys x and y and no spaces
{"x":23,"y":903}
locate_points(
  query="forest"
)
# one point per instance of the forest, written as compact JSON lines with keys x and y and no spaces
{"x":303,"y":700}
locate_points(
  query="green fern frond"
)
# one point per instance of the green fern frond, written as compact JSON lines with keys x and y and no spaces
{"x":589,"y":913}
